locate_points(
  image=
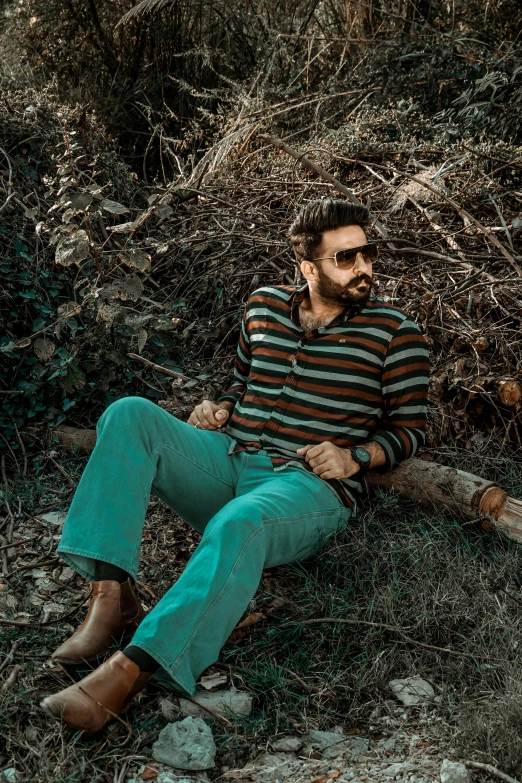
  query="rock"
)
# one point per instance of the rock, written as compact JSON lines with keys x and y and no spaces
{"x":221,"y":702}
{"x":401,"y":768}
{"x":10,"y":775}
{"x":53,"y":517}
{"x":412,"y":691}
{"x":333,"y":745}
{"x":188,"y":744}
{"x":288,"y":744}
{"x":454,"y":772}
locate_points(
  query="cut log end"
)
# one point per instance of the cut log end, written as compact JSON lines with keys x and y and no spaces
{"x":74,"y":439}
{"x":493,"y":502}
{"x":509,"y":391}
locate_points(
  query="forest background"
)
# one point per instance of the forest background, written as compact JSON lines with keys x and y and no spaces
{"x":142,"y":198}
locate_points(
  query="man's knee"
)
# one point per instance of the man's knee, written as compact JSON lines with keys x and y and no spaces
{"x":128,"y":408}
{"x":236,"y":518}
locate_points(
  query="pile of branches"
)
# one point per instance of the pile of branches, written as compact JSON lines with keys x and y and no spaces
{"x":100,"y":269}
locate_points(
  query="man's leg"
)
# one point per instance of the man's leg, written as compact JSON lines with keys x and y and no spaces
{"x":142,"y":449}
{"x":276,"y":518}
{"x":273,"y":519}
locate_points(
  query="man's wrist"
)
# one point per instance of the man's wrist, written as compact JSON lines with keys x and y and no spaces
{"x":228,"y":405}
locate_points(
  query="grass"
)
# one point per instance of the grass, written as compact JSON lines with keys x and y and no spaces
{"x":398,"y":565}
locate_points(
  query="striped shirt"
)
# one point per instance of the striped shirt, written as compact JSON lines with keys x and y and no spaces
{"x":362,"y":377}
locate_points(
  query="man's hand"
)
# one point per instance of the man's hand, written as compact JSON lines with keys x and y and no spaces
{"x":210,"y":415}
{"x":329,"y":461}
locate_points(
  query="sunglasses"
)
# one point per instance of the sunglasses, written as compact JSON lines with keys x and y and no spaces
{"x":345,"y":259}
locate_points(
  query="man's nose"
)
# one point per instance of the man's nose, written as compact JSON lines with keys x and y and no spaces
{"x":361,"y":265}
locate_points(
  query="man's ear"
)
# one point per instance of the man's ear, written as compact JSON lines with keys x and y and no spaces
{"x":308,"y":270}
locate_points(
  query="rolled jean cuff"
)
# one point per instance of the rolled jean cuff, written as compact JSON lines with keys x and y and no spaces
{"x":80,"y":560}
{"x":167,"y":672}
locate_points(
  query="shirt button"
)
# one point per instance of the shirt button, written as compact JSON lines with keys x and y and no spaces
{"x":278,"y":410}
{"x":292,"y":377}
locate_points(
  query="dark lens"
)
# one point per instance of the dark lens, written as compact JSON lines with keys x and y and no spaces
{"x":372,"y":251}
{"x":346,"y":258}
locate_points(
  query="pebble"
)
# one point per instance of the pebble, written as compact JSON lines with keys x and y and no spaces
{"x":288,"y":744}
{"x":188,"y":744}
{"x":454,"y":772}
{"x":412,"y":691}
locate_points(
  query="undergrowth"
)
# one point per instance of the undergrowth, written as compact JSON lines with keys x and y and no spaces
{"x":420,"y":572}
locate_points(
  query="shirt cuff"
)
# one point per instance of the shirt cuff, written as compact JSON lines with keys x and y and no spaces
{"x":393,"y":449}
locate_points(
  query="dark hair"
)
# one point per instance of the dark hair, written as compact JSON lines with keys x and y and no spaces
{"x":323,"y":214}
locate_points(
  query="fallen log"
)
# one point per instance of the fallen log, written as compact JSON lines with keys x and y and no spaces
{"x":75,"y":439}
{"x":429,"y":483}
{"x":473,"y":497}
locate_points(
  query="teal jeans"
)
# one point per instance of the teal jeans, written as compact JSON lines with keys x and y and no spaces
{"x":250,"y":517}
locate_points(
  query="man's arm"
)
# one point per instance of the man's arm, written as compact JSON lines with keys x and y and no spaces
{"x":405,"y":381}
{"x":332,"y":462}
{"x":402,"y":429}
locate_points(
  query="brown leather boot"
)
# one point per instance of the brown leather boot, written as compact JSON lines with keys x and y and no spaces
{"x":114,"y":614}
{"x":107,"y":691}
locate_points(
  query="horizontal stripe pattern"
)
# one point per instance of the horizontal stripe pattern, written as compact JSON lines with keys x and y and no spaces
{"x":363,"y":377}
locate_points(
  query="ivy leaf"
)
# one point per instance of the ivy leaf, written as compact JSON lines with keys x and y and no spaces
{"x":72,"y":249}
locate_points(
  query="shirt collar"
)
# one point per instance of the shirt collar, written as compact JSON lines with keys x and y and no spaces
{"x":301,"y":293}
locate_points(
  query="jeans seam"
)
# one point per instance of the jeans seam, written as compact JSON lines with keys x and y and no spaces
{"x":240,"y":471}
{"x":208,"y":472}
{"x":220,"y":595}
{"x":301,"y":516}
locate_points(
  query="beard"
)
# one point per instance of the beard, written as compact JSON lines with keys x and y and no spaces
{"x":332,"y":292}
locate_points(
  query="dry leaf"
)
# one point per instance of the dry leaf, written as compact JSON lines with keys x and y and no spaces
{"x":129,"y":287}
{"x":72,"y":249}
{"x":80,"y":201}
{"x":44,"y":349}
{"x":213,"y":680}
{"x":136,"y":259}
{"x":241,"y":628}
{"x":25,"y":342}
{"x":122,"y":228}
{"x":149,"y":773}
{"x":113,"y":207}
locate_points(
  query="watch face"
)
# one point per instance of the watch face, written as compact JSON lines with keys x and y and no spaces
{"x":363,"y":457}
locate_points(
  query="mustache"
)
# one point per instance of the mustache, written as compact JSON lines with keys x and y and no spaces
{"x":361,"y":279}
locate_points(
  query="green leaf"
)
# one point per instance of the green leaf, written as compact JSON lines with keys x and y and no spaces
{"x":38,"y":324}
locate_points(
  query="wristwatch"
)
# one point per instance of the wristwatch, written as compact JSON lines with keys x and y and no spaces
{"x":362,"y":457}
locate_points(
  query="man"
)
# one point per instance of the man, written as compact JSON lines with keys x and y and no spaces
{"x":327,"y":384}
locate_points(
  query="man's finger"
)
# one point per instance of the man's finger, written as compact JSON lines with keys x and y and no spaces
{"x":321,"y":467}
{"x":304,"y":449}
{"x":207,"y":411}
{"x":319,"y":460}
{"x":330,"y":474}
{"x":316,"y":451}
